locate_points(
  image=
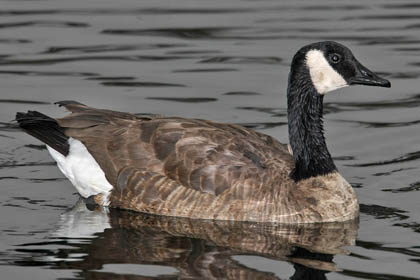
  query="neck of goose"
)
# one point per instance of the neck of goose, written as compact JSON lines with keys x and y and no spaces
{"x":306,"y":132}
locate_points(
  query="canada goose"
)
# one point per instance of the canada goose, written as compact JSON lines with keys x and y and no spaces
{"x":208,"y":170}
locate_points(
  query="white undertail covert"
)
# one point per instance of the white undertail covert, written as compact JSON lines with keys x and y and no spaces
{"x":82,"y":170}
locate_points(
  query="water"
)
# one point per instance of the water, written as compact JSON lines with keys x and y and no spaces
{"x":221,"y":60}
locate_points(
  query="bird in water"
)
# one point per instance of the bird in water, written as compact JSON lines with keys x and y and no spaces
{"x":209,"y":170}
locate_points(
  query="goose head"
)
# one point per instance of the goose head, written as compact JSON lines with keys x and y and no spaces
{"x":317,"y":69}
{"x":332,"y":66}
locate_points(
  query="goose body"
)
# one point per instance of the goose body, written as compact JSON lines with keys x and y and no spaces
{"x":208,"y":170}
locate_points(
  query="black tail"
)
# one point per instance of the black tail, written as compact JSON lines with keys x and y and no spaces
{"x":45,"y":129}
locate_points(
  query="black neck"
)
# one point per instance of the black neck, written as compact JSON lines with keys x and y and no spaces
{"x":306,"y":132}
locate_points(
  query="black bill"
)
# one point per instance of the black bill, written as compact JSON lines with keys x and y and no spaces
{"x":366,"y":77}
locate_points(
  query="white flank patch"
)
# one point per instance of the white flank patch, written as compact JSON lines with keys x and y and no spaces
{"x":323,"y":76}
{"x":82,"y":170}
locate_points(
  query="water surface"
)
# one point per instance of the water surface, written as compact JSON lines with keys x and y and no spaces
{"x":221,"y":60}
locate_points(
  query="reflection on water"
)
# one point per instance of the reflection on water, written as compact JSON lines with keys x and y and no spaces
{"x":88,"y":241}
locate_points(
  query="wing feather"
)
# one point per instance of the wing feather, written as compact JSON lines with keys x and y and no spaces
{"x":200,"y":155}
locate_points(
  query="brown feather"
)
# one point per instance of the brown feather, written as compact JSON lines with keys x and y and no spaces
{"x":202,"y":169}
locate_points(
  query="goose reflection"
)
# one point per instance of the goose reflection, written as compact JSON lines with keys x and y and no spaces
{"x":197,"y":249}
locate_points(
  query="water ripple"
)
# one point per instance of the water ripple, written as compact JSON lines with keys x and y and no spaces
{"x":274,"y":112}
{"x":383,"y":17}
{"x":8,"y":178}
{"x":206,"y":70}
{"x":49,"y":61}
{"x":407,"y":49}
{"x":46,"y":73}
{"x":13,"y":164}
{"x":189,"y":52}
{"x":374,"y":40}
{"x":405,"y":158}
{"x":333,"y":7}
{"x":401,"y":75}
{"x":108,"y":48}
{"x":140,"y":84}
{"x":114,"y":11}
{"x":189,"y":33}
{"x":392,"y":171}
{"x":413,"y":187}
{"x":36,"y":147}
{"x":245,"y":93}
{"x":214,"y":33}
{"x":379,"y":246}
{"x":20,"y":101}
{"x":14,"y":41}
{"x":382,"y":212}
{"x":402,"y":6}
{"x":8,"y":127}
{"x":384,"y":41}
{"x":185,"y":99}
{"x":122,"y":78}
{"x":382,"y":124}
{"x":262,"y":125}
{"x":242,"y":60}
{"x":408,"y":102}
{"x":47,"y":23}
{"x":412,"y":225}
{"x":374,"y":275}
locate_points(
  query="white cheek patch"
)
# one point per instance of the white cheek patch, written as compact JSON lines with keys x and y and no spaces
{"x":323,"y":76}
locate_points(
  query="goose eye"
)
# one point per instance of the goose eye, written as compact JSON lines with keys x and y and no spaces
{"x":335,"y":58}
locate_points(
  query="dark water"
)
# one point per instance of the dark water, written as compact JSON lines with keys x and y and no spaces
{"x":221,"y":60}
